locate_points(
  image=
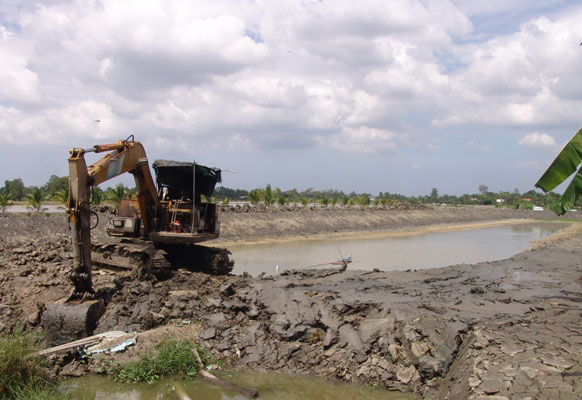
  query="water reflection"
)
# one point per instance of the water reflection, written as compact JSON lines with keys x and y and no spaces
{"x":271,"y":386}
{"x":430,"y":250}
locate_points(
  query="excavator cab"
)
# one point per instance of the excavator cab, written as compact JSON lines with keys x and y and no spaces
{"x":183,"y":216}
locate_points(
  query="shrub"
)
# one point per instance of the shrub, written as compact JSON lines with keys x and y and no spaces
{"x":21,"y":374}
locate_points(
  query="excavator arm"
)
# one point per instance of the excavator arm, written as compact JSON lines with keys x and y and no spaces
{"x":122,"y":156}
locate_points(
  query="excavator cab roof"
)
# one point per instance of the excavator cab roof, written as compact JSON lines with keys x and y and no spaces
{"x":179,"y":178}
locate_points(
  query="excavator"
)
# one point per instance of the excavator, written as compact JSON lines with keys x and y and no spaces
{"x":156,"y":231}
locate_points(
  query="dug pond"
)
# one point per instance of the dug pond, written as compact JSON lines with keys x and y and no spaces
{"x":394,"y":252}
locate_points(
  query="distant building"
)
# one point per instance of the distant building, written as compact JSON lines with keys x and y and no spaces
{"x":500,"y":201}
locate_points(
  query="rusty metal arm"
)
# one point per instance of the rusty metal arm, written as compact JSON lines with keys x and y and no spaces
{"x":78,"y":207}
{"x":124,"y":156}
{"x":129,"y":156}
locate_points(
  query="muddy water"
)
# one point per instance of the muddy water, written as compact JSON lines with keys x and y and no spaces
{"x":271,"y":386}
{"x":419,"y":251}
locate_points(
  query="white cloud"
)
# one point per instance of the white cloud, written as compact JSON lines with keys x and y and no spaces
{"x":537,"y":139}
{"x":525,"y":78}
{"x":372,"y":77}
{"x":363,"y":140}
{"x":17,"y":81}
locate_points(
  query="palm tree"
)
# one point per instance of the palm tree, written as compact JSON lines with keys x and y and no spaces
{"x":325,"y":202}
{"x":5,"y":202}
{"x":268,"y":195}
{"x":118,"y":193}
{"x":62,"y":196}
{"x":36,"y":198}
{"x":363,"y":200}
{"x":282,"y":201}
{"x":208,"y":199}
{"x":254,"y":196}
{"x":97,"y":196}
{"x":345,"y":201}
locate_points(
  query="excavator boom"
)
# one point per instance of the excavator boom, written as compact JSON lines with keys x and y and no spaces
{"x":123,"y":156}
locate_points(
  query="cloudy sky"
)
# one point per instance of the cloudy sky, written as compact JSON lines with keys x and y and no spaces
{"x":396,"y":96}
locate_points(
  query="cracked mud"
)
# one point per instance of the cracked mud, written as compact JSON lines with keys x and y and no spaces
{"x":498,"y":330}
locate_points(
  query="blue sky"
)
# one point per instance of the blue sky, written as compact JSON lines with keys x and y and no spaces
{"x":399,"y":96}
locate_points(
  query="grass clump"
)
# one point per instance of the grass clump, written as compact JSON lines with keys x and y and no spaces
{"x":22,"y":375}
{"x":171,"y":357}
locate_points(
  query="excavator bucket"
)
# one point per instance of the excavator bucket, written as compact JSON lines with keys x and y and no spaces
{"x":67,"y":321}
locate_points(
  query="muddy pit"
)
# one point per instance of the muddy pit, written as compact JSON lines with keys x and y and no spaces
{"x":508,"y":328}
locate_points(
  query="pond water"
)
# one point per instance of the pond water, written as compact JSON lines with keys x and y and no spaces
{"x":271,"y":386}
{"x":430,"y":250}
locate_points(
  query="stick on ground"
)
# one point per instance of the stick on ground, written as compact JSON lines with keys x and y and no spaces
{"x":217,"y":381}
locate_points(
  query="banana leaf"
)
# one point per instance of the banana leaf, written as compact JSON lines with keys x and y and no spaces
{"x":565,"y":164}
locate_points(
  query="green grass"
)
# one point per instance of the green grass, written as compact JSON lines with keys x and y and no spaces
{"x":22,"y":376}
{"x":171,"y":357}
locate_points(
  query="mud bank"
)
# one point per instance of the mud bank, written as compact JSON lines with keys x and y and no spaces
{"x":239,"y":227}
{"x":508,"y":328}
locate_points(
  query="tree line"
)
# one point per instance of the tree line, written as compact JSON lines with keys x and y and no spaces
{"x":270,"y":196}
{"x":56,"y":189}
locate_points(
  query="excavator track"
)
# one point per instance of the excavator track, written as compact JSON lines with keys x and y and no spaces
{"x":159,"y":260}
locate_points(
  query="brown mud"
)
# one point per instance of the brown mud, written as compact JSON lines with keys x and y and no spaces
{"x":509,"y":328}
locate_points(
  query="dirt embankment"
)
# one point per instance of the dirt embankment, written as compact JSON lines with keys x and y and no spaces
{"x":508,"y":328}
{"x":248,"y":227}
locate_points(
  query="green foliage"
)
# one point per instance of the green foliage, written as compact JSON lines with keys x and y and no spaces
{"x":97,"y":196}
{"x":304,"y":201}
{"x":21,"y":373}
{"x":62,"y":196}
{"x":325,"y":202}
{"x":5,"y":201}
{"x":169,"y":358}
{"x":566,"y":163}
{"x":208,"y":199}
{"x":333,"y":202}
{"x":36,"y":198}
{"x":15,"y":187}
{"x":255,"y":196}
{"x":235,"y":194}
{"x":119,"y":192}
{"x":363,"y":200}
{"x":268,"y":195}
{"x":434,"y":194}
{"x":56,"y":184}
{"x":226,"y":200}
{"x":282,"y":200}
{"x":345,"y":201}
